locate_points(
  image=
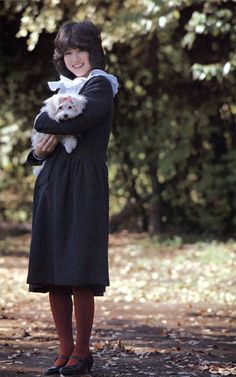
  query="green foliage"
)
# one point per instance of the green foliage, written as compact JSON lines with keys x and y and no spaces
{"x":172,"y":151}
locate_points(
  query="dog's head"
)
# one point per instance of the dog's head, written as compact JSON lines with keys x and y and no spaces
{"x":61,"y":107}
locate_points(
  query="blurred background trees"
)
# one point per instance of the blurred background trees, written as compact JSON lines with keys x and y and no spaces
{"x":172,"y":154}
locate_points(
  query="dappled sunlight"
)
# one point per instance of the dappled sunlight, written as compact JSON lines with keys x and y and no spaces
{"x":143,"y":270}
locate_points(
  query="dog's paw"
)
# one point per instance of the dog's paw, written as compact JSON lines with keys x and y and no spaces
{"x":69,"y":143}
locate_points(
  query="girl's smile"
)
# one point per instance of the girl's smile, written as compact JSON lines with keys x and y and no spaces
{"x":77,"y":62}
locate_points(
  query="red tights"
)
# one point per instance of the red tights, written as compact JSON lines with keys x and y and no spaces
{"x":62,"y":308}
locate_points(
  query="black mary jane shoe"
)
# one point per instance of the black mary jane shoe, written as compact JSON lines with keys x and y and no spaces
{"x":54,"y":370}
{"x":83,"y":366}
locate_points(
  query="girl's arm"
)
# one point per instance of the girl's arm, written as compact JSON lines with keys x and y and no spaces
{"x":98,"y":92}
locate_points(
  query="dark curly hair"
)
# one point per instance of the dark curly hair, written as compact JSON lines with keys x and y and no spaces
{"x":83,"y":35}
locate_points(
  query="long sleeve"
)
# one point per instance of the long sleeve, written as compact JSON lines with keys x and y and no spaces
{"x":32,"y":160}
{"x":99,"y":95}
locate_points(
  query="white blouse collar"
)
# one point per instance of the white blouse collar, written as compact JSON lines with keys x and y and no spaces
{"x":65,"y":84}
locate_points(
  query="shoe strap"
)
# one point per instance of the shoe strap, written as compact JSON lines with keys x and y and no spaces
{"x":78,"y":357}
{"x":62,"y":357}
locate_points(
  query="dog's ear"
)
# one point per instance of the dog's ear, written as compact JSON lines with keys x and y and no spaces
{"x":51,"y":105}
{"x":80,"y":102}
{"x":49,"y":100}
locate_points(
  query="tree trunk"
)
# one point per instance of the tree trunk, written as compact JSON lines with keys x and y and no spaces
{"x":154,"y":226}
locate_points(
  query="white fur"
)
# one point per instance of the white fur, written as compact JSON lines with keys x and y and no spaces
{"x":60,"y":107}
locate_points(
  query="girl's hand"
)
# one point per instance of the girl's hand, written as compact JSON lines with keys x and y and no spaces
{"x":46,"y":146}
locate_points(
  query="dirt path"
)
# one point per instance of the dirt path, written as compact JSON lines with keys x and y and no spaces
{"x":131,"y":336}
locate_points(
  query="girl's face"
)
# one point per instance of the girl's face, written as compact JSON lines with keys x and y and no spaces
{"x":77,"y":62}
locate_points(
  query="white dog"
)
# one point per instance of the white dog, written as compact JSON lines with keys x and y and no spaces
{"x":60,"y":107}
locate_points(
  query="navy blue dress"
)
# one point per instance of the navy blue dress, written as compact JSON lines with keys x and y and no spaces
{"x":69,"y":245}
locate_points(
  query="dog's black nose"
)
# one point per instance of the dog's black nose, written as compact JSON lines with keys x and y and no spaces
{"x":65,"y":116}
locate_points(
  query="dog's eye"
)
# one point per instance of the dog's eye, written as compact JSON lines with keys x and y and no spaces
{"x":60,"y":107}
{"x":70,"y":107}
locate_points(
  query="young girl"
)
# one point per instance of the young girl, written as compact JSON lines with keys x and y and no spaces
{"x":69,"y":246}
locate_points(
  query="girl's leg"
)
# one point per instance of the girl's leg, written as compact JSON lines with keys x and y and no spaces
{"x":84,"y":314}
{"x":61,"y":307}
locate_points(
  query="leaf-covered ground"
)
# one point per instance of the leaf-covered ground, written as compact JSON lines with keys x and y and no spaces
{"x":170,"y":311}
